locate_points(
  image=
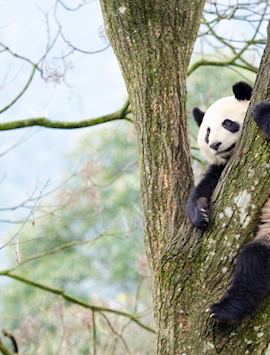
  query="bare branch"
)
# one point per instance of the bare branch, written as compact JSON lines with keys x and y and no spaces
{"x":61,"y":293}
{"x":254,"y":13}
{"x":26,"y":86}
{"x":68,"y":8}
{"x":122,"y":114}
{"x":118,"y":335}
{"x":72,"y":47}
{"x":18,"y":56}
{"x":59,"y":249}
{"x":26,"y":220}
{"x":21,"y":140}
{"x":216,"y":63}
{"x":35,"y":67}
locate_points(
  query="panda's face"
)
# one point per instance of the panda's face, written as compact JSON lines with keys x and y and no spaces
{"x":221,"y":125}
{"x":221,"y":128}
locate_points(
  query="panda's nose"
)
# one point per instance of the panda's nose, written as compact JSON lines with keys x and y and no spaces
{"x":215,"y":145}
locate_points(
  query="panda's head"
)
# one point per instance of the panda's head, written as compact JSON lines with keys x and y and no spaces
{"x":221,"y":125}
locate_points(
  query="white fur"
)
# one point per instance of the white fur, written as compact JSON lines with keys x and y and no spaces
{"x":226,"y":108}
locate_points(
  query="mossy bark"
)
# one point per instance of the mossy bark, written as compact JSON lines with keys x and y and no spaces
{"x":153,"y":41}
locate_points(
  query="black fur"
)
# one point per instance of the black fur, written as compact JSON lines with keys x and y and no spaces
{"x":231,"y":125}
{"x":215,"y":145}
{"x":227,"y":150}
{"x":261,"y":114}
{"x":198,"y":202}
{"x":242,"y":91}
{"x":206,"y":138}
{"x":249,"y":287}
{"x":198,"y":115}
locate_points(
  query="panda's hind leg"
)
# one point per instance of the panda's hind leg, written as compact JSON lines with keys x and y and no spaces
{"x":261,"y":114}
{"x":249,"y":287}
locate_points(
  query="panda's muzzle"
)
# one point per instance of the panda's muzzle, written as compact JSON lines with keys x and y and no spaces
{"x":215,"y":145}
{"x":226,"y":150}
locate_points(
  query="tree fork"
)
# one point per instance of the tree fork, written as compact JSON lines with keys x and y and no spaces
{"x":153,"y":41}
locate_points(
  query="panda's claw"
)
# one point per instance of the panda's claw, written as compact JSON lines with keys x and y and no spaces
{"x":197,"y":212}
{"x":202,"y":219}
{"x":223,"y":312}
{"x":204,"y":214}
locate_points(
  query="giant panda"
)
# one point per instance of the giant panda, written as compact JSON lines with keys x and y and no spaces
{"x":220,"y":128}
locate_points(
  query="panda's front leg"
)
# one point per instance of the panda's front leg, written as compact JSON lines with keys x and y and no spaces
{"x":261,"y":114}
{"x":197,"y":207}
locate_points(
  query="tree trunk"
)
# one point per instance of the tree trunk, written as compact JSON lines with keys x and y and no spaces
{"x":153,"y":41}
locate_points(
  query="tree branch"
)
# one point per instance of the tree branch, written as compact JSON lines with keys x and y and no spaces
{"x":74,"y":300}
{"x":220,"y":44}
{"x":26,"y":86}
{"x":217,"y":63}
{"x":122,"y":114}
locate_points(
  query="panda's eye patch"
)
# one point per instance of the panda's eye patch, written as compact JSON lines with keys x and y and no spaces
{"x":207,"y":135}
{"x":231,"y":126}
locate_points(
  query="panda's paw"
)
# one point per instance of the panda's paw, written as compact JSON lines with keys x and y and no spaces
{"x":198,"y":213}
{"x":227,"y":311}
{"x":261,"y":114}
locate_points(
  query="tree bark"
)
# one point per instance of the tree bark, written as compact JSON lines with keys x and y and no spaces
{"x":153,"y":41}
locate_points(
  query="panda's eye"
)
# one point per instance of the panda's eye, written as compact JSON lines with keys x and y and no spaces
{"x":207,"y":135}
{"x":227,"y":123}
{"x":231,"y":125}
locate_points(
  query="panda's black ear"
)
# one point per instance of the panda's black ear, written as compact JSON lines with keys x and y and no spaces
{"x":242,"y":90}
{"x":198,"y":115}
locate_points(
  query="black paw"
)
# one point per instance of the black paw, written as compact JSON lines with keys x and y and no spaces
{"x":228,"y":311}
{"x":261,"y":114}
{"x":197,"y":211}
